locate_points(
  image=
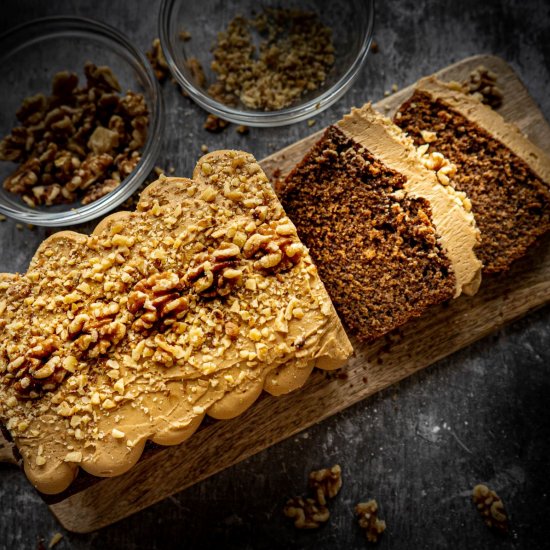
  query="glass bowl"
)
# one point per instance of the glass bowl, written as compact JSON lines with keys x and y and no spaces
{"x":30,"y":55}
{"x":351,"y":22}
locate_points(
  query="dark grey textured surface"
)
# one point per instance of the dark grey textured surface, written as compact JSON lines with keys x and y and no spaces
{"x":418,"y":448}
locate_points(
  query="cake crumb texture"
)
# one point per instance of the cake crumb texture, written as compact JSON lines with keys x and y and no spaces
{"x":375,"y":247}
{"x":510,"y":202}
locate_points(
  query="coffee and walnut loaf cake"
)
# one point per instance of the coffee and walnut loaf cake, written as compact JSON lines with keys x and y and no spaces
{"x":190,"y":305}
{"x":388,"y":239}
{"x":506,"y":177}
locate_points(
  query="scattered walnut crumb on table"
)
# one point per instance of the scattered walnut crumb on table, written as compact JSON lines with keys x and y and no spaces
{"x":158,"y":62}
{"x":215,"y":124}
{"x":368,"y":520}
{"x":490,"y":507}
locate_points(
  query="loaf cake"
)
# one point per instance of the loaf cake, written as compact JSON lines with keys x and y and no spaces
{"x":388,"y":239}
{"x":506,"y":177}
{"x":190,"y":305}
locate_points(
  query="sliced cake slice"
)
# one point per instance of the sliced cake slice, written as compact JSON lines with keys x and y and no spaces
{"x":506,"y":176}
{"x":388,"y":239}
{"x":191,"y":305}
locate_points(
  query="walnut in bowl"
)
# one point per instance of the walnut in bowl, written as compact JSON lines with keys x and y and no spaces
{"x":81,"y":121}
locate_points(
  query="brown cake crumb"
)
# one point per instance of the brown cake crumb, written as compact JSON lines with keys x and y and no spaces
{"x":294,"y":56}
{"x":374,"y":246}
{"x":368,"y":520}
{"x":510,"y":203}
{"x":490,"y":507}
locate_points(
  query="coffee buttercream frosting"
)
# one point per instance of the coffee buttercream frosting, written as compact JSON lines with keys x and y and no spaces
{"x":187,"y":307}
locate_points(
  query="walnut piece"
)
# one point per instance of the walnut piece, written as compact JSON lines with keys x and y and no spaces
{"x":310,"y":513}
{"x":40,"y":368}
{"x":78,"y":143}
{"x":156,"y":57}
{"x":215,"y":124}
{"x":491,"y":507}
{"x":326,"y":483}
{"x":482,"y":84}
{"x":307,"y":513}
{"x":368,"y":520}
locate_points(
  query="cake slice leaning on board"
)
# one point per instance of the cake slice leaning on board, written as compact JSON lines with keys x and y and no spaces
{"x":388,"y":238}
{"x":506,"y":176}
{"x":187,"y":307}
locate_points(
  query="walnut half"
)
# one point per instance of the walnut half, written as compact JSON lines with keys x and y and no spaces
{"x":326,"y":483}
{"x":491,"y":507}
{"x":306,"y":513}
{"x":310,"y":513}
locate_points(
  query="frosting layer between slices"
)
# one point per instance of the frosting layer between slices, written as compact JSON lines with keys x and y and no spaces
{"x":506,"y":177}
{"x":455,"y":226}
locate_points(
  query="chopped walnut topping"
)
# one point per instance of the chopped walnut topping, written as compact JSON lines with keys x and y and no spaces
{"x":326,"y":483}
{"x":368,"y":520}
{"x":482,"y":84}
{"x":295,"y":55}
{"x":78,"y":143}
{"x":307,"y":513}
{"x":491,"y":507}
{"x":206,"y":285}
{"x":432,"y":160}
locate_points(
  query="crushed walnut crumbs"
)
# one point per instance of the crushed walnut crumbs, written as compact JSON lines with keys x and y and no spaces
{"x":295,"y":55}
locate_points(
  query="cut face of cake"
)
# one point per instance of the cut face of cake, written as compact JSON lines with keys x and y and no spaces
{"x":190,"y":305}
{"x":505,"y":176}
{"x":388,"y":239}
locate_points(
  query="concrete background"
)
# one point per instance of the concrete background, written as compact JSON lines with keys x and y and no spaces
{"x":419,"y":447}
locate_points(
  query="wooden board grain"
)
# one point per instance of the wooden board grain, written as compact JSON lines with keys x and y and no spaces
{"x":444,"y":330}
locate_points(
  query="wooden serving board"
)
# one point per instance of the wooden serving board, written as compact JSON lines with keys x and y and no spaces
{"x":91,"y":503}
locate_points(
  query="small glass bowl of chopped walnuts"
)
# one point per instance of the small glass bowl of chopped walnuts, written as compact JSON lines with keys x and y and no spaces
{"x":81,"y":121}
{"x":265,"y":64}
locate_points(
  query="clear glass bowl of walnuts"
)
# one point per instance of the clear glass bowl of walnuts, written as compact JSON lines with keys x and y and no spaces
{"x":81,"y":121}
{"x":265,"y":64}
